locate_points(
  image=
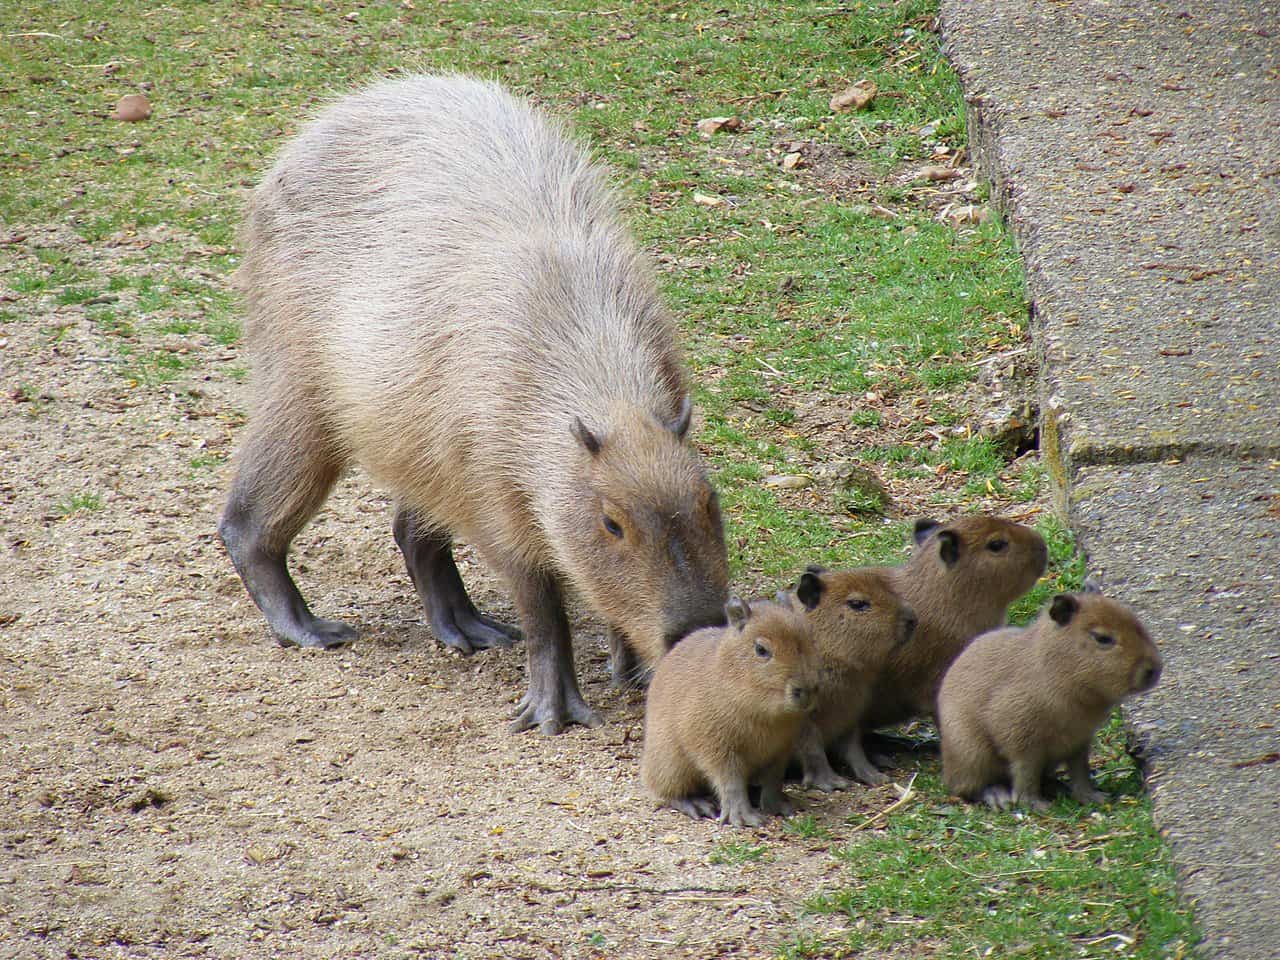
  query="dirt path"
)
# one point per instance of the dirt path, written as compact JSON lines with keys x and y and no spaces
{"x":177,"y":785}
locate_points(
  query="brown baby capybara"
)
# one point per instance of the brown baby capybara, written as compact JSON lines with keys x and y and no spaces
{"x":857,"y":620}
{"x":1018,"y":702}
{"x":441,"y":292}
{"x":723,"y":711}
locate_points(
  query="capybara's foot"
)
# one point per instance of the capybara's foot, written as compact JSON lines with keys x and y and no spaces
{"x":551,"y":714}
{"x":695,"y":808}
{"x":742,"y":815}
{"x":825,"y":780}
{"x":776,"y":803}
{"x":1001,"y":797}
{"x":315,"y":632}
{"x":465,"y":630}
{"x":1086,"y":793}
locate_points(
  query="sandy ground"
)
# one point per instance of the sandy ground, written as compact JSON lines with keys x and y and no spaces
{"x":175,"y":784}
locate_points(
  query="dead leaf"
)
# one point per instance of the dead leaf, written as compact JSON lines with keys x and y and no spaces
{"x":968,"y":213}
{"x":856,"y":97}
{"x":707,"y":200}
{"x":784,"y":481}
{"x":792,"y":160}
{"x":259,"y":855}
{"x":132,"y":108}
{"x":938,"y":173}
{"x":710,"y":125}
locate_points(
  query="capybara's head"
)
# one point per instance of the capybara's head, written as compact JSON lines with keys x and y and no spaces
{"x":856,"y":617}
{"x":643,"y":541}
{"x":1103,"y":647}
{"x":768,"y":655}
{"x":978,"y":559}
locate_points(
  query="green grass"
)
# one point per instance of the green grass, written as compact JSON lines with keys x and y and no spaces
{"x":798,"y":291}
{"x":737,"y":851}
{"x":78,"y":503}
{"x":971,"y":882}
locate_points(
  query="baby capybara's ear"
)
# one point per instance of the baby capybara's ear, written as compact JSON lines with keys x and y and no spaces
{"x":924,"y":526}
{"x":737,"y":612}
{"x":1063,"y":608}
{"x":809,"y":589}
{"x":948,"y":546}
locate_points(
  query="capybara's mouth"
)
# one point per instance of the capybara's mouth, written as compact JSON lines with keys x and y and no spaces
{"x":800,"y":699}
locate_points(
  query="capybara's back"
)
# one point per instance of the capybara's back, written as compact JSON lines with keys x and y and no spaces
{"x":433,"y":259}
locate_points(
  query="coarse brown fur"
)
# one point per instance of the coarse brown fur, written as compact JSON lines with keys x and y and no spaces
{"x":960,"y":581}
{"x":723,"y":710}
{"x":440,"y":291}
{"x":1018,"y":702}
{"x":858,"y":621}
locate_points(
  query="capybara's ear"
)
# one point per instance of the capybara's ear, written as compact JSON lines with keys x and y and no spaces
{"x":814,"y":568}
{"x":948,"y":546}
{"x":680,"y":425}
{"x":585,"y":436}
{"x":809,"y":589}
{"x":1063,"y":608}
{"x":924,"y":526}
{"x":737,"y":612}
{"x":1091,"y":586}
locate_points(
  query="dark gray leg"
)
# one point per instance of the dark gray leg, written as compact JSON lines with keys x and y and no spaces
{"x":283,"y":477}
{"x":816,"y":768}
{"x":428,"y":554}
{"x":625,"y":670}
{"x":553,"y":699}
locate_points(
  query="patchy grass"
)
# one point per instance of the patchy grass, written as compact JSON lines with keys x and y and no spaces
{"x":78,"y":503}
{"x":737,"y":851}
{"x":831,"y":314}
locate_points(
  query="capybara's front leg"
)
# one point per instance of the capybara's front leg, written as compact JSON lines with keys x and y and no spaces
{"x":856,"y":757}
{"x":553,"y":700}
{"x":428,"y":555}
{"x":815,"y":767}
{"x":1082,"y":788}
{"x":625,"y":669}
{"x":772,"y":798}
{"x":735,"y":803}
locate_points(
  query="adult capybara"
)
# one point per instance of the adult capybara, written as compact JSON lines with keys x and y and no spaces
{"x":1018,"y":702}
{"x":440,"y":291}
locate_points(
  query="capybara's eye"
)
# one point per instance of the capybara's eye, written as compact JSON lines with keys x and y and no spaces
{"x":612,"y":525}
{"x":857,"y":603}
{"x":763,"y":652}
{"x":1104,"y":639}
{"x":997,"y":546}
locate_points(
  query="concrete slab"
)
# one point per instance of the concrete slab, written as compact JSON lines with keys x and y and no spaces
{"x":1134,"y":148}
{"x":1195,"y":546}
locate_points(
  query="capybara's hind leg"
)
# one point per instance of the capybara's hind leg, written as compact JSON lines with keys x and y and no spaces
{"x":553,"y":699}
{"x":428,"y":554}
{"x":283,"y":477}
